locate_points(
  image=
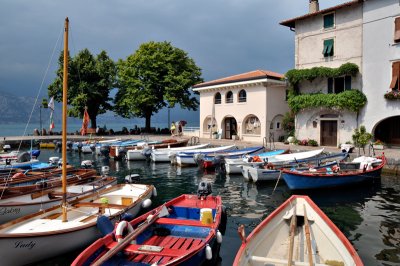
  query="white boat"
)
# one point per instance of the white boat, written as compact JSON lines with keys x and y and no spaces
{"x":296,"y":233}
{"x":14,"y":207}
{"x":233,"y":165}
{"x":284,"y":158}
{"x":163,"y":155}
{"x":187,"y":158}
{"x":44,"y":234}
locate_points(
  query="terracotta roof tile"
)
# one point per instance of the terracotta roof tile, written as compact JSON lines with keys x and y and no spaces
{"x":252,"y":75}
{"x":292,"y":22}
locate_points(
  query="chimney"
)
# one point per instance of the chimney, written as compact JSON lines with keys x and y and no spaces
{"x":314,"y":6}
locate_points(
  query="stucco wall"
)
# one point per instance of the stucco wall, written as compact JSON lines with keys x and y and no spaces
{"x":379,"y":52}
{"x":347,"y":35}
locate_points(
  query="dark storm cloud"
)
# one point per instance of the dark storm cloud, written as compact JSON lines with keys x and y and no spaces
{"x":224,"y":37}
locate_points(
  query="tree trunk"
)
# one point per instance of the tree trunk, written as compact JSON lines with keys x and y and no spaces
{"x":148,"y":122}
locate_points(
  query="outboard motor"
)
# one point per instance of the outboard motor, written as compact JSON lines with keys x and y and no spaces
{"x":23,"y":157}
{"x":121,"y":153}
{"x":219,"y":164}
{"x":204,"y":189}
{"x":80,"y":145}
{"x":69,"y":145}
{"x":146,"y":152}
{"x":58,"y":146}
{"x":198,"y":158}
{"x":105,"y":150}
{"x":93,"y":147}
{"x":6,"y":148}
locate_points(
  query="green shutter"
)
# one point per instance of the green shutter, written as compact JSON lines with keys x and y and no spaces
{"x":329,"y":21}
{"x":328,"y":48}
{"x":347,"y":82}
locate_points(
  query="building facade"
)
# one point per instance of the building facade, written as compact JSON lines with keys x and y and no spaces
{"x":328,"y":38}
{"x":248,"y":106}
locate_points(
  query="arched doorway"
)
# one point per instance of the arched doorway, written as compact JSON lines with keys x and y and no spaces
{"x":388,"y":130}
{"x":230,"y":127}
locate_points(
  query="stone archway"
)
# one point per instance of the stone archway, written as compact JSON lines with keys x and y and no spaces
{"x":388,"y":130}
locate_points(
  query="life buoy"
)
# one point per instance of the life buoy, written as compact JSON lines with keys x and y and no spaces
{"x":119,"y":231}
{"x":270,"y":166}
{"x":18,"y":176}
{"x":335,"y":168}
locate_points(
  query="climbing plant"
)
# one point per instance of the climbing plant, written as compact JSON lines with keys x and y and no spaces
{"x":295,"y":76}
{"x":352,"y":100}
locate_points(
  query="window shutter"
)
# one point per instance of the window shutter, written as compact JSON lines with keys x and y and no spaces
{"x":328,"y":47}
{"x":330,"y":85}
{"x":395,"y":75}
{"x":347,"y":82}
{"x":397,"y":30}
{"x":329,"y":21}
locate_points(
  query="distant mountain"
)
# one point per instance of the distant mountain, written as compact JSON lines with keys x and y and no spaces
{"x":17,"y":109}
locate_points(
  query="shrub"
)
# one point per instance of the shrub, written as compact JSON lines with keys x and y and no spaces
{"x":312,"y":142}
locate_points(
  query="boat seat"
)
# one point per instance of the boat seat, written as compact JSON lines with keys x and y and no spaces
{"x":283,"y":262}
{"x":53,"y":216}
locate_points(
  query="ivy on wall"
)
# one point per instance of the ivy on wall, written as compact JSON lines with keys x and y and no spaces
{"x":295,"y":76}
{"x":352,"y":100}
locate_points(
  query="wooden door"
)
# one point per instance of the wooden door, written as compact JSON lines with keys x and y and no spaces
{"x":329,"y":133}
{"x":230,"y":127}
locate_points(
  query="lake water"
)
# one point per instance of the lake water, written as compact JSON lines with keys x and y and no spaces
{"x":369,"y":216}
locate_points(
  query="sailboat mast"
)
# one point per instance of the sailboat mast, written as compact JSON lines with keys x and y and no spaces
{"x":64,"y":124}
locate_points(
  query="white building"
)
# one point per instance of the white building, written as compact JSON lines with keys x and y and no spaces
{"x":248,"y":106}
{"x":381,"y":68}
{"x":328,"y":38}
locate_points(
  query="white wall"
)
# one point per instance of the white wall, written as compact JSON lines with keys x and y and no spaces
{"x":379,"y":52}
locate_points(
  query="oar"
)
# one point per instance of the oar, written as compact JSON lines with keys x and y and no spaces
{"x":308,"y":236}
{"x":163,"y":211}
{"x":292,"y":231}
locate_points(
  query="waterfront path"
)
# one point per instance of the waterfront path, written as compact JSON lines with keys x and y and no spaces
{"x":392,"y":155}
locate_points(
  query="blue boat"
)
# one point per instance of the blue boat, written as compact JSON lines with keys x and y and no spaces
{"x":345,"y":174}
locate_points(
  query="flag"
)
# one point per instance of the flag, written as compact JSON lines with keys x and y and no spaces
{"x":85,"y":122}
{"x":51,"y":104}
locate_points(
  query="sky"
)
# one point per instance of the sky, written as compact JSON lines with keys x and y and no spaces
{"x":224,"y":37}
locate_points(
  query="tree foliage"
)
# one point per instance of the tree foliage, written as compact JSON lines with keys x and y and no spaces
{"x":352,"y":100}
{"x":295,"y":76}
{"x":288,"y":123}
{"x":157,"y":75}
{"x":361,"y":137}
{"x":90,"y":80}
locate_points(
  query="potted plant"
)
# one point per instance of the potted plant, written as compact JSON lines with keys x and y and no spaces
{"x":378,"y":144}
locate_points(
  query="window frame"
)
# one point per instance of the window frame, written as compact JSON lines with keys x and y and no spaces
{"x":242,"y":99}
{"x":332,"y":84}
{"x":396,"y":36}
{"x":227,"y":98}
{"x":328,"y":47}
{"x":325,"y":21}
{"x":217,"y":100}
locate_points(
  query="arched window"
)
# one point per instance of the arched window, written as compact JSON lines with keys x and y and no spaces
{"x":217,"y":98}
{"x":242,"y":96}
{"x":252,"y":125}
{"x":208,"y":126}
{"x":229,"y":97}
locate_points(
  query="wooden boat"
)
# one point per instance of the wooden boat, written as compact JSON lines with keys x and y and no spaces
{"x":163,"y":155}
{"x":117,"y":152}
{"x":188,"y":157}
{"x":44,"y":234}
{"x":185,"y":234}
{"x":296,"y":233}
{"x":212,"y":160}
{"x":271,"y":172}
{"x":232,"y":165}
{"x":345,"y":175}
{"x":35,"y":183}
{"x":13,"y":207}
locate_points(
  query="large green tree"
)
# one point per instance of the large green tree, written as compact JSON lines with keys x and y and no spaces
{"x":90,"y":80}
{"x":157,"y":75}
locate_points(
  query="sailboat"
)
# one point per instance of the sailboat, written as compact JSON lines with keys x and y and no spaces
{"x":58,"y":230}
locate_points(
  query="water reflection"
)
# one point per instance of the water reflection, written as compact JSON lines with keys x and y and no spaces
{"x":368,"y":215}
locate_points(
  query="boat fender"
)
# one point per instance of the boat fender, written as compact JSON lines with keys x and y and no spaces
{"x":104,"y":225}
{"x":105,"y":170}
{"x":18,"y":175}
{"x":146,"y":203}
{"x":119,"y":231}
{"x":208,"y":252}
{"x":219,"y":237}
{"x":154,"y":192}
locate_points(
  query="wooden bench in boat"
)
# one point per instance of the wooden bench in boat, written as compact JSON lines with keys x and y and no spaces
{"x":84,"y":220}
{"x":99,"y":205}
{"x":172,"y":247}
{"x":53,"y":216}
{"x":283,"y":262}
